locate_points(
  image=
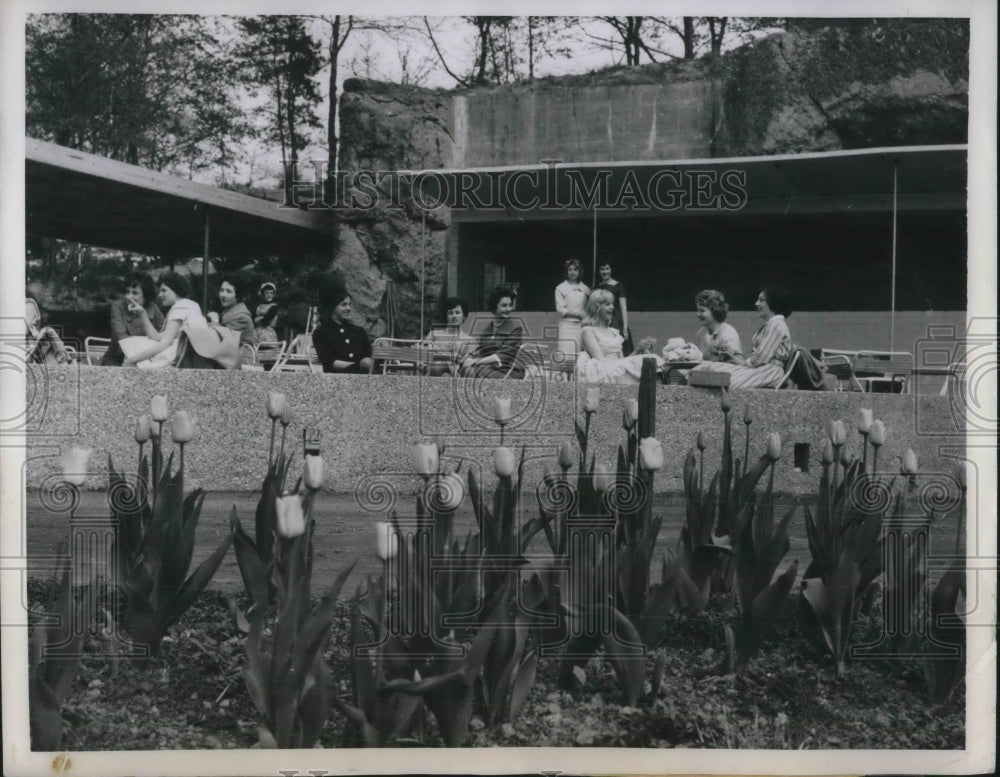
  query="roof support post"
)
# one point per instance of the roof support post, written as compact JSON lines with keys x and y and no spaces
{"x":204,"y":262}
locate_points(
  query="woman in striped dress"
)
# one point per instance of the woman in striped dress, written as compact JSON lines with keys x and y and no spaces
{"x":772,"y":346}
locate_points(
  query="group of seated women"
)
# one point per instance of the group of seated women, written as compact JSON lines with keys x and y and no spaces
{"x":141,"y":336}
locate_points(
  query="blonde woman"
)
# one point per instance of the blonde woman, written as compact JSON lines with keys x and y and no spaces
{"x":601,"y":359}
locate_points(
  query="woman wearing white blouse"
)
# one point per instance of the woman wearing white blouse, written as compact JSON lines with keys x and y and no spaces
{"x":571,"y":305}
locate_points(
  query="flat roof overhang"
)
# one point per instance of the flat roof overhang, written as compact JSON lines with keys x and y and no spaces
{"x":73,"y":195}
{"x":925,"y":178}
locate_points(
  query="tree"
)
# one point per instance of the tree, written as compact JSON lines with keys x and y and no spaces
{"x":282,"y":59}
{"x":151,"y":90}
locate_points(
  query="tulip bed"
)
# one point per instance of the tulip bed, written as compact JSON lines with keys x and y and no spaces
{"x":596,"y":637}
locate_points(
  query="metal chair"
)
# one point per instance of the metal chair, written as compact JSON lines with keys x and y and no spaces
{"x":788,"y":370}
{"x":95,"y":348}
{"x":300,"y":357}
{"x":885,"y":368}
{"x":840,"y":364}
{"x":270,"y":353}
{"x":956,"y":373}
{"x":534,"y":360}
{"x":399,"y":356}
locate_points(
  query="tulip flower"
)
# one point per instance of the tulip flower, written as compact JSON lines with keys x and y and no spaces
{"x":631,"y":413}
{"x":386,"y":541}
{"x":450,"y":492}
{"x":727,"y":404}
{"x":74,"y":465}
{"x":291,"y":521}
{"x":603,"y":477}
{"x":592,"y":400}
{"x":312,"y":472}
{"x":566,"y":456}
{"x":700,"y":441}
{"x":837,"y":432}
{"x":846,"y":457}
{"x":501,"y":410}
{"x":158,"y":408}
{"x":503,"y":462}
{"x":773,"y":446}
{"x":182,"y":427}
{"x":877,"y":434}
{"x":650,"y":453}
{"x":143,"y":429}
{"x":286,"y":415}
{"x":425,"y":459}
{"x":909,"y":465}
{"x":747,"y":416}
{"x":154,"y":430}
{"x":865,"y":419}
{"x":276,"y":404}
{"x":827,"y":457}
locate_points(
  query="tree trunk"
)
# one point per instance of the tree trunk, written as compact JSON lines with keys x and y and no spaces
{"x":688,"y":37}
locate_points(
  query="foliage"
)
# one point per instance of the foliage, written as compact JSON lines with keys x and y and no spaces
{"x":154,"y":545}
{"x":945,"y":668}
{"x":56,"y":645}
{"x":149,"y":89}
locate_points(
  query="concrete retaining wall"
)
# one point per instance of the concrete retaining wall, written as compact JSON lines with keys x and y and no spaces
{"x":368,"y":425}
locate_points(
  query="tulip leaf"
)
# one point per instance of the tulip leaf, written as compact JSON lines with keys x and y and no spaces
{"x":524,"y":681}
{"x":253,"y":571}
{"x":625,"y":650}
{"x":196,"y":583}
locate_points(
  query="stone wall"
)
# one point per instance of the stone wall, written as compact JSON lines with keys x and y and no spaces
{"x":368,"y":424}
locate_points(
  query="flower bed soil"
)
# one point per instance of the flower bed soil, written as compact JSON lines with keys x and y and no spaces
{"x":788,"y":696}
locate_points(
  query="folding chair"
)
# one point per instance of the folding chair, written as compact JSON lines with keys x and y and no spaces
{"x":840,"y":364}
{"x":788,"y":370}
{"x":399,"y":356}
{"x":884,"y":368}
{"x":270,"y":353}
{"x":956,"y":373}
{"x":95,"y":348}
{"x":300,"y":357}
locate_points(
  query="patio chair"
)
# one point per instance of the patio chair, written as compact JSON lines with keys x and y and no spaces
{"x":95,"y":348}
{"x":956,"y":375}
{"x":780,"y":383}
{"x":534,"y":360}
{"x":299,"y":357}
{"x":270,"y":353}
{"x":398,"y":356}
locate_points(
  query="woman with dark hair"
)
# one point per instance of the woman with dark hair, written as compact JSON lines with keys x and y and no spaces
{"x":717,"y":340}
{"x":601,"y":359}
{"x":571,"y":305}
{"x":340,"y":345}
{"x":141,"y":291}
{"x":235,"y":314}
{"x":449,"y":343}
{"x":266,"y":315}
{"x":772,"y":346}
{"x":43,"y":345}
{"x":498,"y":346}
{"x":158,"y":349}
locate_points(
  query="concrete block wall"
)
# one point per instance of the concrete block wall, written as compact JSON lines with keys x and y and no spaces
{"x":369,"y":424}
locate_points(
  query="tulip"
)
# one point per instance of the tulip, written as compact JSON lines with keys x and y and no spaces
{"x":631,"y":413}
{"x":865,"y":418}
{"x":158,"y":408}
{"x":501,"y":410}
{"x":909,"y":465}
{"x":312,"y":472}
{"x":182,"y":427}
{"x":846,"y":457}
{"x":425,"y":459}
{"x":276,"y":404}
{"x":727,"y":404}
{"x":592,"y":400}
{"x":386,"y":541}
{"x":827,"y":457}
{"x":154,"y":431}
{"x":877,"y":434}
{"x":143,"y":429}
{"x":837,"y":432}
{"x":291,"y":521}
{"x":700,"y":441}
{"x":773,"y":446}
{"x":286,"y":415}
{"x":450,"y":492}
{"x":650,"y":453}
{"x":566,"y":456}
{"x":503,"y":461}
{"x":74,"y":465}
{"x":603,"y":477}
{"x":747,"y":416}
